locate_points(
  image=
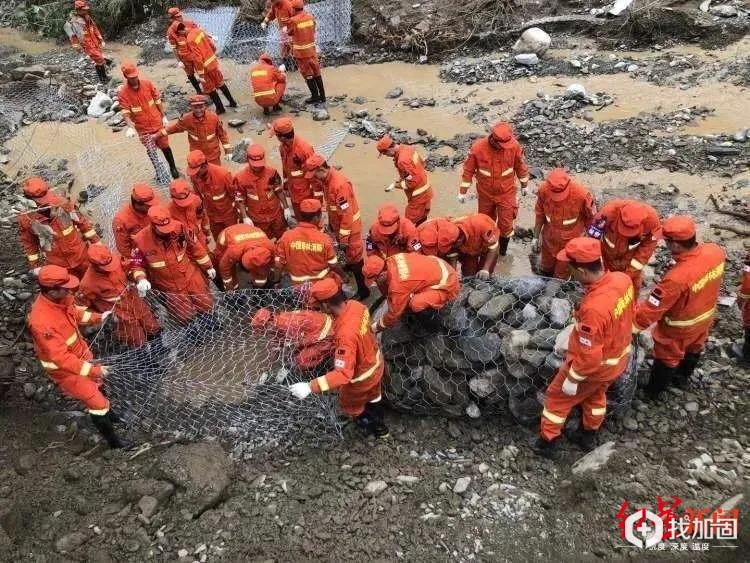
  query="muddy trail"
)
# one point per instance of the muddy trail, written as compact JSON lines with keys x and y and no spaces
{"x":664,"y":121}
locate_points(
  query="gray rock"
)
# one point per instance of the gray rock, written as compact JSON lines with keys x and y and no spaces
{"x":527,"y":59}
{"x":455,"y":317}
{"x":374,"y":488}
{"x":482,"y":386}
{"x":407,"y":479}
{"x":24,"y":463}
{"x":236,"y":122}
{"x":436,"y":389}
{"x":482,"y":349}
{"x":529,"y":312}
{"x":629,"y":423}
{"x":724,"y":11}
{"x":496,"y":306}
{"x":436,"y":348}
{"x":239,"y":151}
{"x":559,"y":313}
{"x":394,"y":93}
{"x":321,"y":115}
{"x":534,"y":358}
{"x":741,"y":135}
{"x":33,"y":71}
{"x":28,"y":390}
{"x":519,"y":338}
{"x":462,"y":485}
{"x":472,"y":410}
{"x":575,"y":91}
{"x":532,"y":40}
{"x":691,"y":407}
{"x":477,"y":298}
{"x":71,"y":541}
{"x":595,"y":459}
{"x":526,"y":410}
{"x":544,"y":339}
{"x":553,"y":361}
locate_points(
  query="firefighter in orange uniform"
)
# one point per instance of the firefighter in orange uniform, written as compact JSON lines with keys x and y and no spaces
{"x":302,"y":31}
{"x":132,"y":217}
{"x":294,"y":151}
{"x":682,"y":304}
{"x":496,"y":161}
{"x":143,"y":111}
{"x":412,"y":178}
{"x":344,"y":218}
{"x":57,"y":232}
{"x":305,"y":252}
{"x":83,"y":33}
{"x":268,"y":83}
{"x":201,"y":52}
{"x":231,"y":246}
{"x":629,"y":232}
{"x":411,"y":282}
{"x":62,"y":350}
{"x":179,"y":45}
{"x":104,"y":287}
{"x":358,"y":364}
{"x":258,"y":194}
{"x":310,"y":331}
{"x":280,"y":10}
{"x":391,"y":234}
{"x":205,"y":131}
{"x":168,"y":255}
{"x":564,"y":208}
{"x":186,"y":207}
{"x":472,"y":240}
{"x":214,"y":184}
{"x":598,"y":350}
{"x":742,"y":350}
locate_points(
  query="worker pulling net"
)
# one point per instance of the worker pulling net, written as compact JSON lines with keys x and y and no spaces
{"x":218,"y":365}
{"x":494,"y":349}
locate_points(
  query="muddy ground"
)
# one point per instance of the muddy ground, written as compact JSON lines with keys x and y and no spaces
{"x":669,"y":132}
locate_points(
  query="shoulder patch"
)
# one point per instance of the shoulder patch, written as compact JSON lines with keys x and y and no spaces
{"x":585,"y":341}
{"x":585,"y":328}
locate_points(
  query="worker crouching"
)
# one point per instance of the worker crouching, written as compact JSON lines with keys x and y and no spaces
{"x":267,"y":83}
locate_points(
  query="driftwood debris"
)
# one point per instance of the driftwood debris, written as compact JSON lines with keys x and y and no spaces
{"x":737,"y":214}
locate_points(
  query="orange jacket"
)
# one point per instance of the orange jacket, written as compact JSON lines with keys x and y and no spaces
{"x":142,"y":106}
{"x":217,"y":192}
{"x":403,"y":240}
{"x":232,"y":244}
{"x":567,"y":219}
{"x":179,"y":44}
{"x":305,"y":252}
{"x":206,"y":134}
{"x":414,"y":180}
{"x":599,"y":346}
{"x":409,"y":274}
{"x":495,"y":170}
{"x":293,"y":157}
{"x":170,"y":265}
{"x":264,"y":78}
{"x":127,"y":223}
{"x":357,"y":360}
{"x":743,"y":292}
{"x":69,"y":227}
{"x":685,"y":299}
{"x":343,"y":208}
{"x":59,"y":345}
{"x":101,"y":291}
{"x":85,"y":32}
{"x":301,"y":29}
{"x":201,"y":51}
{"x":280,"y":10}
{"x":618,"y":253}
{"x":480,"y":234}
{"x":193,"y":216}
{"x":259,"y":193}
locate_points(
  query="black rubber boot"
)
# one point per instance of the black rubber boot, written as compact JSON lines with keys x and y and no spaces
{"x":661,"y":377}
{"x":228,"y":95}
{"x":547,"y":449}
{"x":277,"y":107}
{"x":686,"y":368}
{"x":504,"y":241}
{"x":194,"y":81}
{"x":363,"y":292}
{"x":101,"y":72}
{"x":372,"y":420}
{"x":313,"y":86}
{"x":741,"y":350}
{"x":321,"y":89}
{"x":218,"y":106}
{"x":170,"y":160}
{"x":103,"y":424}
{"x":266,"y":111}
{"x":585,"y":439}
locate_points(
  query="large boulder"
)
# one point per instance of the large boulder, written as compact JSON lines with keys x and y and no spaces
{"x":533,"y":40}
{"x":559,"y":313}
{"x":483,"y":349}
{"x":497,"y":306}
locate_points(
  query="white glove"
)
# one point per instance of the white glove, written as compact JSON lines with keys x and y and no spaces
{"x":390,"y":187}
{"x":263,"y":25}
{"x":105,"y":316}
{"x":104,"y":44}
{"x":374,"y":327}
{"x":461,"y":198}
{"x":105,"y":370}
{"x":130,"y":132}
{"x":288,"y":214}
{"x":483,"y":275}
{"x":282,"y":68}
{"x":248,"y":221}
{"x":300,"y":390}
{"x":180,"y":64}
{"x":569,"y":387}
{"x":211,"y":273}
{"x":164,"y":120}
{"x":143,"y":286}
{"x":284,"y":29}
{"x":35,"y":271}
{"x":535,"y":245}
{"x":212,"y":37}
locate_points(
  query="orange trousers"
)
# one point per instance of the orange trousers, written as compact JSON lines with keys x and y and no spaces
{"x":309,"y":67}
{"x":671,"y":344}
{"x":551,"y":244}
{"x":213,"y":79}
{"x":502,"y":211}
{"x":354,"y":397}
{"x":591,"y":396}
{"x":86,"y":390}
{"x":94,"y":51}
{"x":417,"y":211}
{"x":431,"y":299}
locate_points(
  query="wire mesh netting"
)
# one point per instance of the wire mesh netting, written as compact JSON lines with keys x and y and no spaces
{"x":212,"y":371}
{"x":494,"y":349}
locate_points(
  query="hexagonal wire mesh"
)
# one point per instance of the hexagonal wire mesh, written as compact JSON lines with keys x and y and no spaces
{"x":494,"y":349}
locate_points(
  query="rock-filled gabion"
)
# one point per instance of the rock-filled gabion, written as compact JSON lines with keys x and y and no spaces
{"x":494,"y":349}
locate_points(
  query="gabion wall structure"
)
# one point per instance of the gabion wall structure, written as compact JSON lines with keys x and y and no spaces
{"x":494,"y":349}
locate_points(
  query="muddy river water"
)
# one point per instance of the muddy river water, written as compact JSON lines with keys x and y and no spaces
{"x":98,"y":155}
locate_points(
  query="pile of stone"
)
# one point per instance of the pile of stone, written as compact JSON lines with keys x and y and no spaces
{"x":493,"y":349}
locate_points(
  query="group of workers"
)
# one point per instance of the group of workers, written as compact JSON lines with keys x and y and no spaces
{"x":196,"y":53}
{"x":263,"y":227}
